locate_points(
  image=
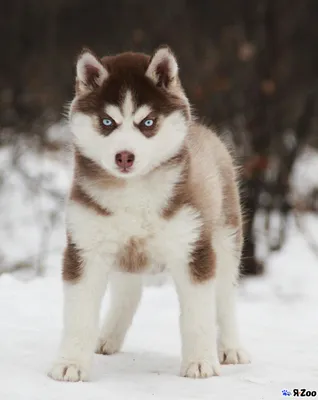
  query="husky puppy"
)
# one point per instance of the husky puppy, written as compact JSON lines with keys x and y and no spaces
{"x":153,"y":190}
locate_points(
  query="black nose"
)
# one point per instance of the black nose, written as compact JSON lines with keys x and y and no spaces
{"x":125,"y":159}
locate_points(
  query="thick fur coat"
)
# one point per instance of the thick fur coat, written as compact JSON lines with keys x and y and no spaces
{"x":153,"y":191}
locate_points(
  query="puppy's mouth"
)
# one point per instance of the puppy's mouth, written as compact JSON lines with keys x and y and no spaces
{"x":125,"y":170}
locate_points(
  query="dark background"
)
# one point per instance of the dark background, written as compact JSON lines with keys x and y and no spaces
{"x":250,"y":68}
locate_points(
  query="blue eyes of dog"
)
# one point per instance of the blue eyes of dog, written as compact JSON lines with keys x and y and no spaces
{"x":148,"y":123}
{"x":107,"y":122}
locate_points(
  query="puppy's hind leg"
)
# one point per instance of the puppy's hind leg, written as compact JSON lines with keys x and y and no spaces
{"x":228,"y":260}
{"x":126,"y":290}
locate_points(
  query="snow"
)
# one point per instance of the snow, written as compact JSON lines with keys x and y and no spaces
{"x":278,"y":320}
{"x":33,"y":184}
{"x":304,"y":176}
{"x":277,"y":312}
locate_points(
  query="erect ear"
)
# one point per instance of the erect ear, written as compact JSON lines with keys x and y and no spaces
{"x":163,"y":67}
{"x":90,"y":73}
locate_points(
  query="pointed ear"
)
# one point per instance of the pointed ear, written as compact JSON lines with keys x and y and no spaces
{"x":163,"y":67}
{"x":90,"y":73}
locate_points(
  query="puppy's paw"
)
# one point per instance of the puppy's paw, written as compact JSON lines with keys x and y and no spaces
{"x":200,"y":369}
{"x":233,"y":356}
{"x":108,"y":345}
{"x":68,"y":371}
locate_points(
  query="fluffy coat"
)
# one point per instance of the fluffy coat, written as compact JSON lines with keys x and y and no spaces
{"x":153,"y":191}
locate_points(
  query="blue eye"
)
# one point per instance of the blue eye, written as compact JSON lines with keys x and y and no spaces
{"x":148,"y":123}
{"x":107,"y":122}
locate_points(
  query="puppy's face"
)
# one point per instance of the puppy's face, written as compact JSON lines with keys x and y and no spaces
{"x":130,"y":113}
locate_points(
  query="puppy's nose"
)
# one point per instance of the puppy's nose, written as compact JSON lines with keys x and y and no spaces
{"x":125,"y":159}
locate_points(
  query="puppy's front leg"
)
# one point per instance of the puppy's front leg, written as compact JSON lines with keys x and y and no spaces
{"x":197,"y":324}
{"x":82,"y":299}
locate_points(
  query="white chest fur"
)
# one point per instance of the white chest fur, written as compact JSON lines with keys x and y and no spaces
{"x":135,"y":214}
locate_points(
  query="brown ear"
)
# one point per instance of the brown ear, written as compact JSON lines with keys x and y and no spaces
{"x":163,"y":67}
{"x":90,"y":73}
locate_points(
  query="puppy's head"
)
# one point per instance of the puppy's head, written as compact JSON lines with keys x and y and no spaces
{"x":130,"y":113}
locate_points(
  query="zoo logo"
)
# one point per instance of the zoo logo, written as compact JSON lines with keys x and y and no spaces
{"x":299,"y":393}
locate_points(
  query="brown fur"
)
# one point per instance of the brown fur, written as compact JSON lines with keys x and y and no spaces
{"x":84,"y":168}
{"x":232,"y":211}
{"x":91,"y":76}
{"x":207,"y":165}
{"x":203,"y":259}
{"x":151,"y":131}
{"x":87,"y":168}
{"x":133,"y":257}
{"x":180,"y":198}
{"x":127,"y":72}
{"x":80,"y":196}
{"x":181,"y":195}
{"x":72,"y":262}
{"x":180,"y":158}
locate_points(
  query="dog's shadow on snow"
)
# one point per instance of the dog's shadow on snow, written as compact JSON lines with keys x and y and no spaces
{"x":139,"y":363}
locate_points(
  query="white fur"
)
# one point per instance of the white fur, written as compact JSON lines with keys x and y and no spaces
{"x":128,"y":105}
{"x":228,"y":261}
{"x":197,"y":324}
{"x":126,"y":292}
{"x":142,"y":113}
{"x":81,"y":316}
{"x":169,"y":243}
{"x":162,"y":55}
{"x":149,"y":152}
{"x":140,"y":196}
{"x":135,"y":213}
{"x":115,"y":112}
{"x":85,"y":60}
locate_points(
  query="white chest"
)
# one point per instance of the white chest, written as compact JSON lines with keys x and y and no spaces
{"x":133,"y":233}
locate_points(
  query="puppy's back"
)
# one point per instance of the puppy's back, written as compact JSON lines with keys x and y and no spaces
{"x":212,"y":178}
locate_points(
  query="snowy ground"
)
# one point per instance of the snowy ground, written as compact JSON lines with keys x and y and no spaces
{"x":278,"y":312}
{"x":278,"y":318}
